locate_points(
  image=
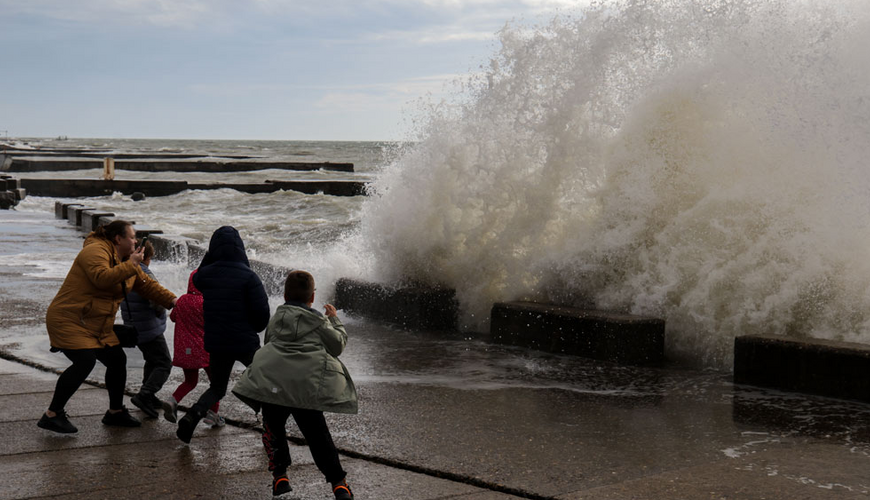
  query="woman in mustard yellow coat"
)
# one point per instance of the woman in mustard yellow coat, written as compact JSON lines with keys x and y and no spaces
{"x":81,"y":316}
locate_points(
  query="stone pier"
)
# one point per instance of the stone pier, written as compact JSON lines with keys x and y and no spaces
{"x":67,"y":188}
{"x":11,"y":192}
{"x":621,"y":338}
{"x":156,"y":164}
{"x":412,"y":306}
{"x":824,"y":367}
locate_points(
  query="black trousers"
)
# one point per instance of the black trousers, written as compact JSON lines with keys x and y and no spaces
{"x":158,"y":364}
{"x":83,"y":362}
{"x":221,"y":364}
{"x":313,"y":427}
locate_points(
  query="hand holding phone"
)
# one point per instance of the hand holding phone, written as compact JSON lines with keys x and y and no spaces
{"x":138,"y":255}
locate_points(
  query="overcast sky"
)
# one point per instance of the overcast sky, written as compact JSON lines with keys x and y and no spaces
{"x":239,"y":69}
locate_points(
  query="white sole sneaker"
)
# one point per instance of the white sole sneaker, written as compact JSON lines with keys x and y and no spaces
{"x":214,"y":420}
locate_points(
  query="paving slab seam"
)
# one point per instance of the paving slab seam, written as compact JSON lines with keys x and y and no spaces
{"x":396,"y":464}
{"x":97,"y":490}
{"x":88,"y":447}
{"x":32,"y":392}
{"x":77,"y":415}
{"x":57,"y":371}
{"x":11,"y":357}
{"x":457,"y":496}
{"x":40,"y":392}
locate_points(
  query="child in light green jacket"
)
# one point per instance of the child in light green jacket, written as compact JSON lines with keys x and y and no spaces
{"x":297,"y":372}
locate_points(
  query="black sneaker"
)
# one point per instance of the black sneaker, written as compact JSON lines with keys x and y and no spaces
{"x":58,"y":423}
{"x":187,"y":425}
{"x":342,"y":491}
{"x":143,"y":402}
{"x":121,"y":419}
{"x":170,"y":410}
{"x":280,"y":485}
{"x":156,"y":403}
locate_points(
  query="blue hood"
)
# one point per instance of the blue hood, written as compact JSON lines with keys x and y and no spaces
{"x":226,"y":245}
{"x":235,"y":304}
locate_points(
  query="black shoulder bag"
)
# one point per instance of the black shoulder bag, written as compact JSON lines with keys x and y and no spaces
{"x":128,"y":336}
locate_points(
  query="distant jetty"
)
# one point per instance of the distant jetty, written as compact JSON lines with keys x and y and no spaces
{"x":21,"y":159}
{"x":11,"y":192}
{"x":73,"y":188}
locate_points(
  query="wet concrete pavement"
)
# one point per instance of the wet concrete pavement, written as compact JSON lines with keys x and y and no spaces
{"x":441,"y":416}
{"x":103,"y":462}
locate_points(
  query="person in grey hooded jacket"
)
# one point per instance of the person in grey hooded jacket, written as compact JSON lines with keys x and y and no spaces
{"x":297,"y":372}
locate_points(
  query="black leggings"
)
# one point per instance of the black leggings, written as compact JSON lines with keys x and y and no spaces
{"x":83,"y":362}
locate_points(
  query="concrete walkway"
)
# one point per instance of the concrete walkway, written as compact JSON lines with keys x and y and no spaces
{"x":441,"y":416}
{"x":150,"y":462}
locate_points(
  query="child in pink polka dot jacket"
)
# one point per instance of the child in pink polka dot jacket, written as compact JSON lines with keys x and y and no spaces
{"x":190,"y":354}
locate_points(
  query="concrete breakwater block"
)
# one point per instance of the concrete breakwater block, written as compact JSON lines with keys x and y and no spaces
{"x":8,"y":183}
{"x":75,"y":214}
{"x":143,"y":231}
{"x":108,"y":219}
{"x":60,"y":209}
{"x":621,"y":338}
{"x":249,"y":188}
{"x":91,"y":219}
{"x":172,"y":248}
{"x":95,"y":187}
{"x":823,"y":367}
{"x":195,"y":253}
{"x":11,"y":192}
{"x":177,"y":249}
{"x":332,"y":188}
{"x":412,"y":306}
{"x":272,"y":276}
{"x":70,"y":212}
{"x":7,"y":200}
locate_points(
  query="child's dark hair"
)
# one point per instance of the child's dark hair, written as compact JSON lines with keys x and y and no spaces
{"x":112,"y":229}
{"x":299,"y":286}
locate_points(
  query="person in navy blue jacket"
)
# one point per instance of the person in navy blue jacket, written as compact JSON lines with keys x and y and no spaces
{"x":235,"y":310}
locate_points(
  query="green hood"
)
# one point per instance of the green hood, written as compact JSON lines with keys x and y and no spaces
{"x":303,"y":319}
{"x":298,"y":365}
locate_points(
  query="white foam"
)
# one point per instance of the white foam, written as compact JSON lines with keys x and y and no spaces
{"x":701,"y":161}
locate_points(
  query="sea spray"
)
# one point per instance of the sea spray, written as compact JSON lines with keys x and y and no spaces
{"x":701,"y":161}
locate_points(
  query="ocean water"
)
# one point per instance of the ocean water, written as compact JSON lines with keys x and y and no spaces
{"x":286,"y":228}
{"x":701,"y":161}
